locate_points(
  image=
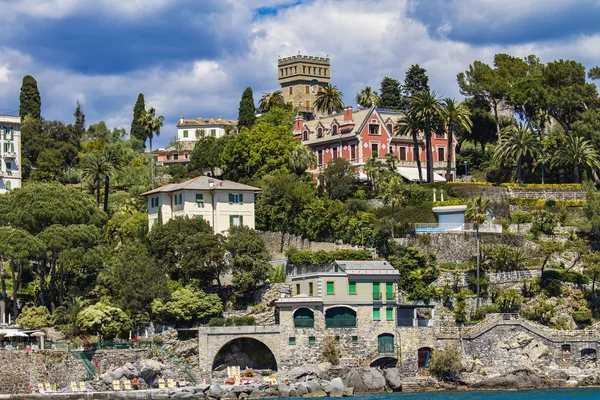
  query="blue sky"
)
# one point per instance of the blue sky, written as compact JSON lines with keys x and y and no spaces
{"x":193,"y":58}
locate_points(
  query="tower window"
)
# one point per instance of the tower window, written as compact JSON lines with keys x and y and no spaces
{"x":291,"y":90}
{"x":307,"y":103}
{"x":334,"y":130}
{"x":325,"y":72}
{"x":320,"y":132}
{"x":320,"y":69}
{"x":303,"y":69}
{"x":307,"y":89}
{"x":281,"y":71}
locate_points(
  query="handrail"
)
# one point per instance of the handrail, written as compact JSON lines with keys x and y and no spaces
{"x":178,"y":362}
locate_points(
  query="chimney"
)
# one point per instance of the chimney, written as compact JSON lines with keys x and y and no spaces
{"x":219,"y":117}
{"x":181,"y":119}
{"x":298,"y":123}
{"x":348,"y":113}
{"x":211,"y":183}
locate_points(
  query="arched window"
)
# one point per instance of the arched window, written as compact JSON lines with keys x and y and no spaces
{"x":334,"y":130}
{"x":385,"y":343}
{"x":304,"y":318}
{"x":340,"y":317}
{"x":424,"y":355}
{"x":305,"y":135}
{"x":390,"y":128}
{"x":320,"y":132}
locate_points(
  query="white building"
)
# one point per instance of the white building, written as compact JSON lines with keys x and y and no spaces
{"x":191,"y":130}
{"x":10,"y":152}
{"x":222,"y":204}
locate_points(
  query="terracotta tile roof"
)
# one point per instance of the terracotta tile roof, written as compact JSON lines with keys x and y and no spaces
{"x":202,"y":183}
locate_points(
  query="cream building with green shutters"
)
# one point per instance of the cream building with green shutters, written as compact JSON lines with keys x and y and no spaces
{"x":10,"y":153}
{"x":356,"y":302}
{"x":221,"y":203}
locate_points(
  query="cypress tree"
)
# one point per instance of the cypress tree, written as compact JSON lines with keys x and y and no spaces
{"x":137,"y":128}
{"x":390,"y":94}
{"x":79,"y":120}
{"x":247,"y":110}
{"x":31,"y":101}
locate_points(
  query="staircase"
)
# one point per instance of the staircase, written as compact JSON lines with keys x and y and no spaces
{"x":80,"y":355}
{"x":179,"y":363}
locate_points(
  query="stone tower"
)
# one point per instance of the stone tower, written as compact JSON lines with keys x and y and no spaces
{"x":301,"y":77}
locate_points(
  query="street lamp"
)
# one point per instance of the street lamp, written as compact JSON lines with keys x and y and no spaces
{"x":466,"y":173}
{"x":543,"y":163}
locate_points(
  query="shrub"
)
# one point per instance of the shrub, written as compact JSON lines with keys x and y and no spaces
{"x":582,"y":316}
{"x":34,"y":317}
{"x":244,"y":321}
{"x":485,"y":310}
{"x":445,"y":364}
{"x":331,"y":350}
{"x":277,"y":274}
{"x":544,"y":186}
{"x":566,"y":276}
{"x":451,"y":202}
{"x":503,"y":222}
{"x":520,"y":217}
{"x":550,"y":203}
{"x":470,"y":183}
{"x":543,"y":222}
{"x":308,"y":257}
{"x":157,"y":339}
{"x":415,"y":194}
{"x":216,"y":322}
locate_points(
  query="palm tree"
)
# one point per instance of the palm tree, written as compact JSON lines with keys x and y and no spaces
{"x":368,"y":97}
{"x":113,"y":157}
{"x":270,"y":100}
{"x":476,"y":213}
{"x":69,"y":311}
{"x":516,"y":143}
{"x":301,"y":158}
{"x":152,"y":125}
{"x":329,"y":100}
{"x":454,"y":114}
{"x":95,"y":167}
{"x":411,"y":124}
{"x":392,"y":194}
{"x":576,"y":152}
{"x":426,"y":105}
{"x":374,"y":169}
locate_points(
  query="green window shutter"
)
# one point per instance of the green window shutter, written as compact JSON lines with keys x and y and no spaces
{"x":389,"y":290}
{"x":312,"y":340}
{"x":310,"y":289}
{"x":389,"y":314}
{"x":354,"y":339}
{"x":230,"y":198}
{"x":199,"y":198}
{"x":8,"y":185}
{"x":12,"y":147}
{"x":185,"y":133}
{"x":292,"y":340}
{"x":352,"y":287}
{"x":241,"y":198}
{"x":230,"y":221}
{"x":376,"y":314}
{"x":376,"y":291}
{"x":330,"y":288}
{"x":241,"y":220}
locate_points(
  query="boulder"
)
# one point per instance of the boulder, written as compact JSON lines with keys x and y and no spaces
{"x":335,"y":392}
{"x":284,"y":390}
{"x":230,"y":396}
{"x":313,"y":386}
{"x":370,"y":380}
{"x":301,"y":389}
{"x":393,"y":379}
{"x":216,"y":391}
{"x":349,"y":392}
{"x":519,"y":379}
{"x":337,"y":383}
{"x":294,"y":393}
{"x":201,"y":388}
{"x":149,"y":370}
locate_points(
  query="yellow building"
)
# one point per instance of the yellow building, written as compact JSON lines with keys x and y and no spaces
{"x":301,"y":78}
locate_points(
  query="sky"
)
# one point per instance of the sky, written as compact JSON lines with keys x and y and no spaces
{"x":193,"y":58}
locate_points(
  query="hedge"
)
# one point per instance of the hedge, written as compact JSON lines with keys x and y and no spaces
{"x":582,"y":316}
{"x":307,"y":257}
{"x":566,"y":276}
{"x":525,"y":202}
{"x":451,"y":202}
{"x":544,"y":186}
{"x":471,"y":183}
{"x":237,"y":321}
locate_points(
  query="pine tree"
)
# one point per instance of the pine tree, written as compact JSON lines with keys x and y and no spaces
{"x":79,"y":120}
{"x":247,"y":110}
{"x":137,"y":129}
{"x":415,"y":81}
{"x":390,"y":94}
{"x":31,"y":102}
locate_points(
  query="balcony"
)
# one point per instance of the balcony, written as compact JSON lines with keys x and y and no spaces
{"x":442,"y":164}
{"x":376,"y":296}
{"x":389,"y":296}
{"x":9,"y":154}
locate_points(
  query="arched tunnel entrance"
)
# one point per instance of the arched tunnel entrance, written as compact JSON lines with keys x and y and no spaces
{"x":245,"y":352}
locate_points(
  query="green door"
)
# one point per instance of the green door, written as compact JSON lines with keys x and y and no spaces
{"x":386,"y":343}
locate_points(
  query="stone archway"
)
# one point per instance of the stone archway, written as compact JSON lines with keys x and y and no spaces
{"x":245,"y":352}
{"x":424,"y":355}
{"x":384,"y":362}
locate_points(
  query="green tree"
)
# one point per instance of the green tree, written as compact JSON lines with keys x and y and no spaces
{"x":247,"y":110}
{"x":516,"y":144}
{"x":103,"y":319}
{"x":69,"y":312}
{"x":249,"y":258}
{"x":476,"y":214}
{"x":79,"y":120}
{"x":368,"y":97}
{"x":138,"y":130}
{"x":339,"y":177}
{"x":207,"y":154}
{"x":411,"y":124}
{"x":591,"y":267}
{"x":270,"y":100}
{"x":446,"y":364}
{"x":95,"y":167}
{"x":329,"y":100}
{"x":390,"y":94}
{"x":256,"y":152}
{"x":415,"y":81}
{"x":203,"y":260}
{"x":49,"y":167}
{"x":30,"y":99}
{"x":577,"y":153}
{"x":426,"y":106}
{"x":280,"y":116}
{"x":33,"y":317}
{"x":134,"y":280}
{"x":151,"y":125}
{"x":186,"y":304}
{"x":549,"y":248}
{"x":454,"y":114}
{"x":301,"y":159}
{"x":392,"y":194}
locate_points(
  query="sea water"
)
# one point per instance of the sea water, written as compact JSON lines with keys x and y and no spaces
{"x":544,"y":394}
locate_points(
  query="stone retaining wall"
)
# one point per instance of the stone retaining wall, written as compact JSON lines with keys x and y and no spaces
{"x":278,"y":243}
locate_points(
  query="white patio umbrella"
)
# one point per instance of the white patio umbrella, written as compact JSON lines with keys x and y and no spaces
{"x":41,"y":336}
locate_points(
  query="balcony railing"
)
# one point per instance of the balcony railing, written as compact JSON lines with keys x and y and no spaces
{"x":457,"y":227}
{"x":304,"y":323}
{"x":389,"y":296}
{"x":376,"y":296}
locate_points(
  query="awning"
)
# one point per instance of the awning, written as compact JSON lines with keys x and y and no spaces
{"x":412,"y":174}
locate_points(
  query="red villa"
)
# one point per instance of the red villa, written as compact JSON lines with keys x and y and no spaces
{"x":358,"y":135}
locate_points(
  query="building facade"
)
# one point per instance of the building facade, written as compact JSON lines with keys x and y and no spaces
{"x":192,"y":130}
{"x":357,"y":135}
{"x":301,"y":78}
{"x":175,"y":153}
{"x":10,"y":152}
{"x":222,"y":204}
